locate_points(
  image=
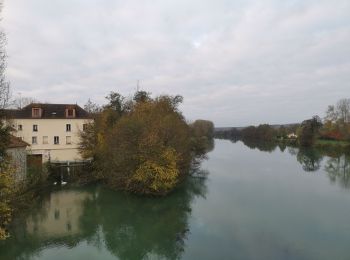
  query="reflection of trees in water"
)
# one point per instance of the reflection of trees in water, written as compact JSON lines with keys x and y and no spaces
{"x":131,"y":227}
{"x":310,"y":159}
{"x":234,"y":139}
{"x":282,"y":147}
{"x":337,"y":165}
{"x":293,"y":150}
{"x":260,"y":145}
{"x":338,"y":170}
{"x":135,"y":228}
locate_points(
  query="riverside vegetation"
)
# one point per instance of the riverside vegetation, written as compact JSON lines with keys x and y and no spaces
{"x":143,"y":145}
{"x":333,"y":130}
{"x":15,"y":194}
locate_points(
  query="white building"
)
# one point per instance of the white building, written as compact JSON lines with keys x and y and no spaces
{"x":52,"y":130}
{"x":292,"y":136}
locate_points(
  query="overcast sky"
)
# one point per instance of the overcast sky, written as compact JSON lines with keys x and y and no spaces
{"x":235,"y":62}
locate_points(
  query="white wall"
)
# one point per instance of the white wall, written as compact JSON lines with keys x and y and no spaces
{"x":51,"y":128}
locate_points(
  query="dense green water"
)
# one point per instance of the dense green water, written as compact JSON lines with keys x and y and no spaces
{"x":252,"y":205}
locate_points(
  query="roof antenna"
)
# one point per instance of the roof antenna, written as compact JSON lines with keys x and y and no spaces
{"x":138,"y":86}
{"x":20,"y":100}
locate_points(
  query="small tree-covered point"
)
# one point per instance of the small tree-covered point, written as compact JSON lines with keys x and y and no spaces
{"x":144,"y":145}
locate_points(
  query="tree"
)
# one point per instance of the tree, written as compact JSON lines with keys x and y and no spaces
{"x":5,"y":93}
{"x":339,"y":113}
{"x":263,"y":132}
{"x":343,"y":109}
{"x":331,"y":114}
{"x":202,"y":136}
{"x":4,"y":139}
{"x":148,"y":148}
{"x":308,"y":131}
{"x":4,"y":97}
{"x":142,"y":96}
{"x":6,"y":171}
{"x":282,"y":132}
{"x":21,"y":102}
{"x":337,"y":121}
{"x":92,"y":108}
{"x":203,"y":128}
{"x":116,"y":102}
{"x":7,"y":191}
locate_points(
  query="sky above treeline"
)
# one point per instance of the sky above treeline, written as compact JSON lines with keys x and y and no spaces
{"x":236,"y":63}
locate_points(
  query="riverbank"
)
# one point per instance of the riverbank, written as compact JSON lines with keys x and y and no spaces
{"x":334,"y":143}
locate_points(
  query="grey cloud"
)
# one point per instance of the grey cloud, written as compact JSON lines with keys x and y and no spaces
{"x":235,"y":62}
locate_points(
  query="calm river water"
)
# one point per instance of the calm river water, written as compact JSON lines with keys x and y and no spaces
{"x":266,"y":203}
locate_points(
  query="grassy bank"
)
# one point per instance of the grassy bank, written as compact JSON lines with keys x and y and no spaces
{"x":342,"y":144}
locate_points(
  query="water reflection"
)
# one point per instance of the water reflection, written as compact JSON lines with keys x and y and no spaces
{"x":337,"y":165}
{"x":129,"y":227}
{"x":310,"y":159}
{"x":261,"y":146}
{"x":338,"y":170}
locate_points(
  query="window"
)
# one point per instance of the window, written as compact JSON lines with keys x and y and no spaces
{"x":34,"y":140}
{"x":70,"y":112}
{"x":20,"y":127}
{"x":45,"y":140}
{"x":68,"y":127}
{"x":85,"y":126}
{"x":68,"y":140}
{"x":56,"y":140}
{"x":35,"y":128}
{"x":36,"y":112}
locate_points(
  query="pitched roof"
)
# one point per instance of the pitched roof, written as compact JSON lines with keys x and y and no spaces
{"x":49,"y":111}
{"x":16,"y":142}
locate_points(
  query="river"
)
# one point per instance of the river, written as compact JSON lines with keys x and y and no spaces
{"x":256,"y":202}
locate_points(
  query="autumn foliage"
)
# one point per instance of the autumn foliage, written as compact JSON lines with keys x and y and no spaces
{"x":144,"y":146}
{"x":6,"y":195}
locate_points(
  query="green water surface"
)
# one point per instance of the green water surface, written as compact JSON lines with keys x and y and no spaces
{"x":257,"y":202}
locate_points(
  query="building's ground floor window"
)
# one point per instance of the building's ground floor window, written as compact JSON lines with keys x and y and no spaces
{"x":68,"y":140}
{"x":56,"y":140}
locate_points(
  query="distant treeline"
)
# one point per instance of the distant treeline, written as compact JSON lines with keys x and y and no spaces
{"x":263,"y":132}
{"x":334,"y":129}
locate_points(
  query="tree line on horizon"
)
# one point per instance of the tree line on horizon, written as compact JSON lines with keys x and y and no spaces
{"x":334,"y":127}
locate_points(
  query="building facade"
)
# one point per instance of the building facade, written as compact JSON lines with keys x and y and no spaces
{"x":52,"y":130}
{"x":18,"y":154}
